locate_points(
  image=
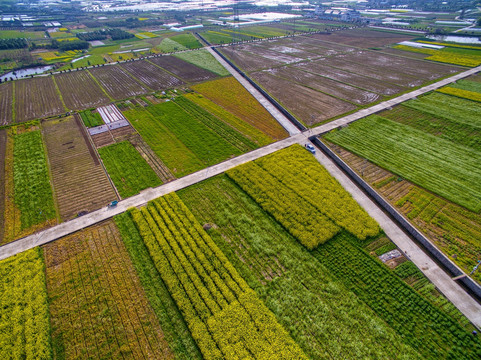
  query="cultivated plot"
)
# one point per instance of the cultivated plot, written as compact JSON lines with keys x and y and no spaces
{"x":151,"y":75}
{"x":97,"y":306}
{"x":233,"y":97}
{"x":79,"y":180}
{"x":80,"y":91}
{"x":182,"y":69}
{"x":117,"y":82}
{"x":439,"y":165}
{"x":36,"y":98}
{"x":6,"y":99}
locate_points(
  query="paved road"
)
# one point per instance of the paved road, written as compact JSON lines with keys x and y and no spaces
{"x":286,"y":124}
{"x":450,"y":288}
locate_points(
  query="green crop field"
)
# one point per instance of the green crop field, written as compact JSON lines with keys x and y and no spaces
{"x":33,"y":193}
{"x":24,"y":318}
{"x":226,"y":318}
{"x":439,"y":165}
{"x":331,"y":321}
{"x":202,"y":58}
{"x":171,"y":321}
{"x":15,"y":34}
{"x":186,"y":141}
{"x":168,"y":45}
{"x":313,"y":210}
{"x":128,"y":169}
{"x":241,"y":126}
{"x":91,"y":119}
{"x":215,"y":37}
{"x":187,"y":40}
{"x":421,"y":324}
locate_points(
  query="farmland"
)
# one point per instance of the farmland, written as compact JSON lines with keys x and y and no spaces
{"x":117,"y":82}
{"x":320,"y":76}
{"x":185,"y":137}
{"x":6,"y":98}
{"x":249,"y":131}
{"x":232,"y":96}
{"x":151,"y":75}
{"x":463,"y":57}
{"x":36,"y":98}
{"x":127,"y":169}
{"x":97,"y":307}
{"x":466,"y":89}
{"x":29,"y":204}
{"x":79,"y":180}
{"x":217,"y":303}
{"x":91,"y":119}
{"x":203,"y":59}
{"x":24,"y":318}
{"x":183,"y":69}
{"x":79,"y":90}
{"x":331,"y":321}
{"x":269,"y":181}
{"x":429,"y":161}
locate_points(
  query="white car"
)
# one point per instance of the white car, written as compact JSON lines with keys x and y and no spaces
{"x":310,"y":148}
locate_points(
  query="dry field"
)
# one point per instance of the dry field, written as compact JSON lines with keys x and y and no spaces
{"x":79,"y":180}
{"x":182,"y":69}
{"x":80,"y":91}
{"x":98,"y":308}
{"x":6,"y":98}
{"x":36,"y":98}
{"x":310,"y":106}
{"x":117,"y":82}
{"x":151,"y":75}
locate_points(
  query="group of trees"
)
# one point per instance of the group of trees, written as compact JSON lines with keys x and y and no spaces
{"x":7,"y":44}
{"x":115,"y":34}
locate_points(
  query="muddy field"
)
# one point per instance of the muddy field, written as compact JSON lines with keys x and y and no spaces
{"x":36,"y":98}
{"x":153,"y":77}
{"x":117,"y":82}
{"x":6,"y":92}
{"x":186,"y":71}
{"x":80,"y":91}
{"x":310,"y":106}
{"x":325,"y":85}
{"x":364,"y":38}
{"x":373,"y":85}
{"x":79,"y":180}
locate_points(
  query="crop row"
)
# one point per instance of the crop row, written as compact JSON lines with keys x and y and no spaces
{"x":183,"y":142}
{"x":310,"y":204}
{"x":429,"y":161}
{"x":217,"y":125}
{"x":445,"y":56}
{"x":422,"y":325}
{"x":465,"y":94}
{"x":443,"y":125}
{"x":232,"y":96}
{"x":211,"y":292}
{"x":24,"y":318}
{"x":128,"y":169}
{"x":330,"y":321}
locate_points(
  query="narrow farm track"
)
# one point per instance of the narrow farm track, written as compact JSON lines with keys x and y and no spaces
{"x":470,"y":308}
